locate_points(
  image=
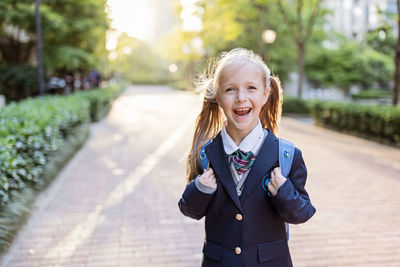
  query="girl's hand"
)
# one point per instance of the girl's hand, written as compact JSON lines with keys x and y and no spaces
{"x":208,"y":178}
{"x":276,"y":181}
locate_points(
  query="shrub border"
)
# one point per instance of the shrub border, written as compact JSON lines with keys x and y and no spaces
{"x":16,"y":213}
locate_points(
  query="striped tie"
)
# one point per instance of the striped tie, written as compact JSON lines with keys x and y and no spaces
{"x":242,"y":160}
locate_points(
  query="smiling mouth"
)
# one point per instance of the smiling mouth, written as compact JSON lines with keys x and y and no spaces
{"x":242,"y":111}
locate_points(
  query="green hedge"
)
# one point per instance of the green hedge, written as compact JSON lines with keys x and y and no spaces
{"x":37,"y":137}
{"x":33,"y":130}
{"x":100,"y":100}
{"x":30,"y":132}
{"x":17,"y":210}
{"x":379,"y":123}
{"x":297,"y":105}
{"x":372,"y":94}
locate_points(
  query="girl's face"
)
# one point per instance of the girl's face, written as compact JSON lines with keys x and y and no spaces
{"x":241,"y":95}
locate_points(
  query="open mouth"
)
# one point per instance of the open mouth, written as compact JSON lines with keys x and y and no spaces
{"x":242,"y":111}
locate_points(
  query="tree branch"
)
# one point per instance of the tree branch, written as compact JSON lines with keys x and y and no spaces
{"x":312,"y":19}
{"x":284,"y":14}
{"x":299,"y":32}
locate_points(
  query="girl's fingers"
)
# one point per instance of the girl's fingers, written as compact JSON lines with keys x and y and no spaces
{"x":273,"y":179}
{"x":277,"y":171}
{"x":206,"y":172}
{"x":213,"y":182}
{"x":271,"y":189}
{"x":208,"y":178}
{"x":277,"y":178}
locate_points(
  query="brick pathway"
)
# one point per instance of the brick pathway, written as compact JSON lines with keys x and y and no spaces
{"x":111,"y":207}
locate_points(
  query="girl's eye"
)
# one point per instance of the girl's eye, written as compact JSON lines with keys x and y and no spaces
{"x":252,"y":87}
{"x":228,"y":89}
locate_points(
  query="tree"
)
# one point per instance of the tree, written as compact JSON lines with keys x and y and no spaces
{"x":300,"y":20}
{"x":349,"y":64}
{"x":229,"y":23}
{"x":337,"y":67}
{"x":135,"y":61}
{"x":17,"y":31}
{"x":185,"y":47}
{"x":73,"y":37}
{"x":397,"y":60}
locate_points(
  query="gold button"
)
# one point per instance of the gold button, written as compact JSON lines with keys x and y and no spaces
{"x":238,"y":250}
{"x":239,"y":217}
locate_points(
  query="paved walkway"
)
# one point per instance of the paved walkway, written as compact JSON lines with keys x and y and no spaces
{"x":115,"y":203}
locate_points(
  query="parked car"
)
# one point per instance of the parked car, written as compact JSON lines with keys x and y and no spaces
{"x":55,"y":85}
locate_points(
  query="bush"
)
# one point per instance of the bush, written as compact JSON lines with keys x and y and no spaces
{"x":18,"y":81}
{"x":374,"y":122}
{"x":17,"y":210}
{"x":34,"y":130}
{"x":349,"y":65}
{"x":37,"y":137}
{"x":372,"y":94}
{"x":30,"y":132}
{"x":100,"y":100}
{"x":296,"y":105}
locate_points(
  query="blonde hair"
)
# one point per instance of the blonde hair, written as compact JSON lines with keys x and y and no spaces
{"x":209,"y":121}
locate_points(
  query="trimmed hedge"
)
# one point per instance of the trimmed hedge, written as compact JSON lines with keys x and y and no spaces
{"x":100,"y":100}
{"x":296,"y":105}
{"x":30,"y":132}
{"x":37,"y":137}
{"x":15,"y":213}
{"x":379,"y":123}
{"x":372,"y":94}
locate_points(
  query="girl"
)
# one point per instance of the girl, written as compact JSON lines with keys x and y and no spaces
{"x":244,"y":225}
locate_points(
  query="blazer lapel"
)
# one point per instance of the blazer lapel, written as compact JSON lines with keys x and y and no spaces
{"x":267,"y":156}
{"x":215,"y":152}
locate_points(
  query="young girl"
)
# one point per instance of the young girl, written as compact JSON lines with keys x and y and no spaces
{"x":244,"y":225}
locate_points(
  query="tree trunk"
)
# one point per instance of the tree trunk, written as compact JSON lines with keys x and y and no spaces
{"x":300,"y":67}
{"x":397,"y":60}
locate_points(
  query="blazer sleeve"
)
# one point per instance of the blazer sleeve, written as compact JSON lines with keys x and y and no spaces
{"x":194,"y":202}
{"x":292,"y":201}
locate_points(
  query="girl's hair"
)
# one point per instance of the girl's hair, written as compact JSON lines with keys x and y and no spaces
{"x":209,"y":121}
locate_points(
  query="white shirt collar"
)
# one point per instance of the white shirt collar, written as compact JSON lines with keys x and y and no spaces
{"x":250,"y":143}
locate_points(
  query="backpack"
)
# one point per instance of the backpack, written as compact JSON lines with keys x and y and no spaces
{"x":286,"y":153}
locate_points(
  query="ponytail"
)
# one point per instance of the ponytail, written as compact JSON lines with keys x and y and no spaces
{"x":271,"y":111}
{"x":208,"y":124}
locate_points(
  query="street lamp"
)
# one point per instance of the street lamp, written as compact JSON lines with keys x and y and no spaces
{"x":173,"y":68}
{"x":39,"y":48}
{"x":269,"y":36}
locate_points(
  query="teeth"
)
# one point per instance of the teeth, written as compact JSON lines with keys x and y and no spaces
{"x":242,"y":109}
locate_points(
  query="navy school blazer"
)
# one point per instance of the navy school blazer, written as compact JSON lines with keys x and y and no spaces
{"x":248,"y":230}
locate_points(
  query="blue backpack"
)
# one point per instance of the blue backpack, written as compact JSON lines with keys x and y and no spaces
{"x":286,"y":153}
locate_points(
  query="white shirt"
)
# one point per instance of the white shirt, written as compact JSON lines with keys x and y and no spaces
{"x":252,"y":142}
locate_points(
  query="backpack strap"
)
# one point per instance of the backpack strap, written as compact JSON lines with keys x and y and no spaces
{"x":286,"y":153}
{"x":204,"y":163}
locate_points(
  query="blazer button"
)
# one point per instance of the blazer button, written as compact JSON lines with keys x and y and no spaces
{"x":239,"y":217}
{"x":238,"y":250}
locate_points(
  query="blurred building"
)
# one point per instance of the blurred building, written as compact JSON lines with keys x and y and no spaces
{"x":354,"y":18}
{"x":164,"y":18}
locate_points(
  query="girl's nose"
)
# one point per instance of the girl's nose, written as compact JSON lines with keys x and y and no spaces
{"x":241,"y":95}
